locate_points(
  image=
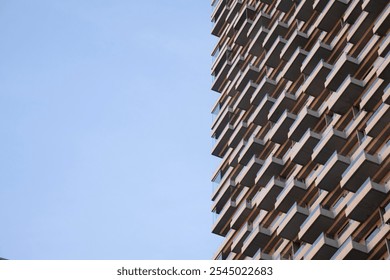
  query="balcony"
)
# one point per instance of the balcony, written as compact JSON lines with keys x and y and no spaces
{"x":271,"y":166}
{"x":220,"y":146}
{"x":346,"y":95}
{"x":351,"y":250}
{"x":293,"y":192}
{"x":280,"y":129}
{"x":374,"y":240}
{"x":250,"y":74}
{"x":256,"y":46}
{"x":304,"y":10}
{"x":297,"y":41}
{"x":253,"y":147}
{"x":291,"y":223}
{"x":318,"y":222}
{"x":243,"y":101}
{"x":372,"y":95}
{"x":284,"y":5}
{"x":257,"y":239}
{"x":259,"y":116}
{"x":378,"y":120}
{"x":279,"y":29}
{"x":262,"y":19}
{"x":240,"y":237}
{"x":266,"y":87}
{"x":248,"y":174}
{"x":238,"y":134}
{"x":322,"y":249}
{"x":285,"y":101}
{"x":218,"y":18}
{"x":319,"y":51}
{"x":220,"y":78}
{"x":345,"y":65}
{"x":332,"y":140}
{"x":220,"y":226}
{"x":272,"y":58}
{"x":241,"y":214}
{"x":366,"y":200}
{"x":306,"y":119}
{"x":362,"y":167}
{"x":222,"y":194}
{"x":314,"y":84}
{"x":301,"y":152}
{"x":331,"y":173}
{"x":331,"y":14}
{"x":266,"y":197}
{"x":292,"y":70}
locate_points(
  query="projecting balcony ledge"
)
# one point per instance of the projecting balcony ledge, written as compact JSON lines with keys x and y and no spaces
{"x":314,"y":84}
{"x":284,"y":5}
{"x":252,"y":148}
{"x":362,"y":167}
{"x":318,"y":222}
{"x":261,"y":20}
{"x":256,"y":46}
{"x":345,"y":65}
{"x":266,"y":87}
{"x":272,"y":59}
{"x":242,"y":37}
{"x":266,"y":197}
{"x":220,"y":225}
{"x":248,"y":174}
{"x":319,"y":51}
{"x":222,"y":194}
{"x":351,"y":250}
{"x":221,"y":144}
{"x":239,"y":239}
{"x":241,"y":214}
{"x":386,"y":215}
{"x":285,"y":101}
{"x":301,"y":152}
{"x":238,"y":134}
{"x":259,"y":116}
{"x":235,"y":69}
{"x":256,"y":240}
{"x":382,"y":233}
{"x":297,"y":41}
{"x":280,"y":129}
{"x":272,"y":165}
{"x":331,"y":173}
{"x":243,"y":101}
{"x":332,"y":13}
{"x":322,"y":249}
{"x":304,"y":10}
{"x":366,"y":200}
{"x":332,"y":140}
{"x":292,"y":70}
{"x":293,"y":192}
{"x":346,"y":95}
{"x":219,"y":22}
{"x":306,"y":119}
{"x":279,"y":29}
{"x":220,"y":78}
{"x":250,"y":74}
{"x":291,"y":223}
{"x":381,"y":26}
{"x":378,"y":120}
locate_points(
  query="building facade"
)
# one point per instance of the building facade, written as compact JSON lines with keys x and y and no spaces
{"x":301,"y":127}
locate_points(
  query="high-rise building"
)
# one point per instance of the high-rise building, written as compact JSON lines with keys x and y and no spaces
{"x":301,"y":126}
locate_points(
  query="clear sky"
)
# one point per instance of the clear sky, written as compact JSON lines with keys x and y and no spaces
{"x":105,"y":129}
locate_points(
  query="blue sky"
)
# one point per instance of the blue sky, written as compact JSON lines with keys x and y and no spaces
{"x":105,"y":129}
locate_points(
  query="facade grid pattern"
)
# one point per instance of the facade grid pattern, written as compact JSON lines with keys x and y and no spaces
{"x":302,"y":128}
